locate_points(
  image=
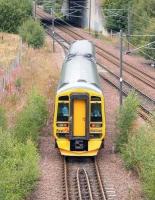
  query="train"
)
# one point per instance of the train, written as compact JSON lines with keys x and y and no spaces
{"x":79,"y":114}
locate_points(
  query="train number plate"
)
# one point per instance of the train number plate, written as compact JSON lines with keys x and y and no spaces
{"x":79,"y":145}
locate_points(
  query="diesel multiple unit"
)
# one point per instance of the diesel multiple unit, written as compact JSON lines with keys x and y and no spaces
{"x":79,"y":117}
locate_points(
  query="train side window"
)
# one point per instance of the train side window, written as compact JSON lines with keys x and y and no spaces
{"x":96,"y":115}
{"x":63,"y":112}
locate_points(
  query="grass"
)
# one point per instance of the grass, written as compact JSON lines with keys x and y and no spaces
{"x":40,"y":70}
{"x":19,"y":169}
{"x":9,"y":46}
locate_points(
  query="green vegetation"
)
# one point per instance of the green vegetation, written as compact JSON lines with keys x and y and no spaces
{"x":2,"y":118}
{"x":139,"y":154}
{"x":116,"y":19}
{"x":125,"y":118}
{"x":31,"y":119}
{"x":33,"y":33}
{"x":13,"y":14}
{"x":19,"y":167}
{"x":18,"y":83}
{"x":142,"y":20}
{"x":137,"y":145}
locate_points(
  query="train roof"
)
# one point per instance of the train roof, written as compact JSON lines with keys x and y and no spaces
{"x":79,"y":71}
{"x":82,"y":47}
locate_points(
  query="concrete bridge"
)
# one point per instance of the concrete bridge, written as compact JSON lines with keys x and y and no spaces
{"x":84,"y":13}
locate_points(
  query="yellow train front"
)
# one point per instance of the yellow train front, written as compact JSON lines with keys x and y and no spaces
{"x":79,"y":117}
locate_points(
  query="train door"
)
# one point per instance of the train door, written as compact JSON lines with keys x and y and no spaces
{"x":79,"y":121}
{"x":79,"y":117}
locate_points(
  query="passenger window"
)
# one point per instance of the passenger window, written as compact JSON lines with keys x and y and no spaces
{"x":96,"y":115}
{"x":63,"y":112}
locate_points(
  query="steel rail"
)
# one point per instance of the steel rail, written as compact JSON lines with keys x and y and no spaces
{"x":109,"y":53}
{"x":141,"y":76}
{"x":66,"y":182}
{"x":144,"y":110}
{"x":86,"y":176}
{"x":103,"y":192}
{"x":87,"y":184}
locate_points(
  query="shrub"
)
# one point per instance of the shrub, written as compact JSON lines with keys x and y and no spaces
{"x":32,"y":118}
{"x":18,"y":83}
{"x":18,"y":167}
{"x":139,"y":154}
{"x":2,"y":118}
{"x":125,"y":118}
{"x":33,"y":33}
{"x":14,"y":13}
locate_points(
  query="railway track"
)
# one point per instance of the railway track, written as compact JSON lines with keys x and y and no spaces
{"x":128,"y":68}
{"x":82,"y":180}
{"x":139,"y":74}
{"x":147,"y":102}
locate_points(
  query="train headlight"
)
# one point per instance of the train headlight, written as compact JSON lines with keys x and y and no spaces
{"x":95,"y":125}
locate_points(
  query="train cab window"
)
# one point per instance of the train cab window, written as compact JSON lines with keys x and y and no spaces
{"x":64,"y":98}
{"x":95,"y":98}
{"x":63,"y":112}
{"x":96,"y":115}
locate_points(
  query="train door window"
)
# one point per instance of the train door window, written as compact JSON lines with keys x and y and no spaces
{"x":63,"y":112}
{"x":96,"y":114}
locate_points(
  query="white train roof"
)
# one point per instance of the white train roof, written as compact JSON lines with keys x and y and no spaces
{"x":79,"y":71}
{"x":82,"y":47}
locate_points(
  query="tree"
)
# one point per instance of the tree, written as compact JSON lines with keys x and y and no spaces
{"x":33,"y":33}
{"x":116,"y":19}
{"x":13,"y":13}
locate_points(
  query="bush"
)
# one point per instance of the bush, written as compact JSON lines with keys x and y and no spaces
{"x":125,"y":118}
{"x":33,"y":33}
{"x":2,"y":118}
{"x":13,"y":14}
{"x":116,"y":19}
{"x":18,"y":83}
{"x":139,"y":154}
{"x":18,"y":167}
{"x":31,"y":119}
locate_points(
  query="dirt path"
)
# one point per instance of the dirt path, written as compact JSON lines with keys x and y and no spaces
{"x":50,"y":184}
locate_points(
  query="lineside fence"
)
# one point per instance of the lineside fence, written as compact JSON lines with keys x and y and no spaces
{"x":9,"y":76}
